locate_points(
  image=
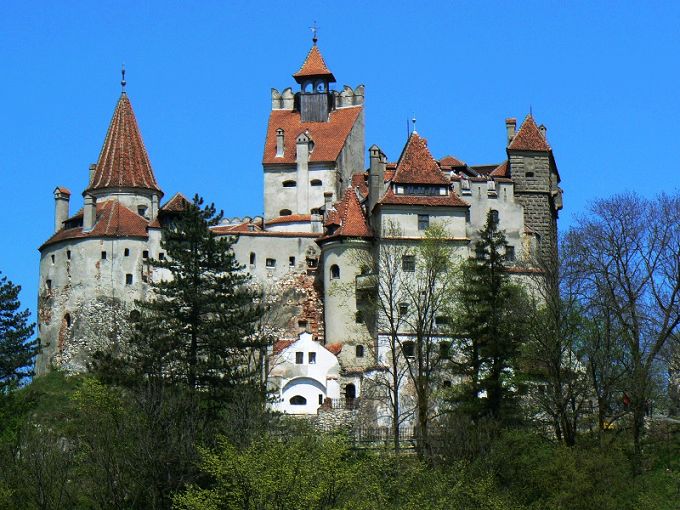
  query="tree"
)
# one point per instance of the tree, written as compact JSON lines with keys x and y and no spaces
{"x":17,"y":351}
{"x":490,"y":328}
{"x":627,"y":251}
{"x":198,"y":330}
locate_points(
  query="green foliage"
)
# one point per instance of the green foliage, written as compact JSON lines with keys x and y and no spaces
{"x":17,"y":351}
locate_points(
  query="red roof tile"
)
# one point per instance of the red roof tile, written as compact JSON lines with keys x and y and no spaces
{"x":529,"y":137}
{"x":123,"y":161}
{"x":290,"y":218}
{"x":416,"y":164}
{"x":451,"y":200}
{"x":63,"y":190}
{"x":280,"y":345}
{"x":335,"y":348}
{"x":451,"y":161}
{"x":241,"y":228}
{"x":314,"y":65}
{"x":351,"y":217}
{"x":359,"y":182}
{"x":329,"y":137}
{"x":502,"y":170}
{"x":177,"y":203}
{"x":113,"y":220}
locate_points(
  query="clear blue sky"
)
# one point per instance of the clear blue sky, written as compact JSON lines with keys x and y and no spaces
{"x":602,"y":76}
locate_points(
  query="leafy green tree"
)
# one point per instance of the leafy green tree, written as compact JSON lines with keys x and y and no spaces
{"x":17,"y":351}
{"x":489,"y":325}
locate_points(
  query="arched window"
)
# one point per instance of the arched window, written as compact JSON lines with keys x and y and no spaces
{"x":285,"y":212}
{"x":408,"y":348}
{"x":298,"y":400}
{"x":335,"y":272}
{"x":289,"y":184}
{"x":315,"y":182}
{"x":360,"y":351}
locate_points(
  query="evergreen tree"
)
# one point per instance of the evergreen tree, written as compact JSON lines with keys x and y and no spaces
{"x":17,"y":351}
{"x":489,"y":323}
{"x":198,"y":330}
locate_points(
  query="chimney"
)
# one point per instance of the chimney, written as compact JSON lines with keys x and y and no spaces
{"x":93,"y":168}
{"x":376,"y":176}
{"x":154,"y":206}
{"x":317,"y":223}
{"x":543,"y":130}
{"x":303,"y":143}
{"x":89,"y":213}
{"x":62,"y":196}
{"x":510,"y":126}
{"x":279,"y":143}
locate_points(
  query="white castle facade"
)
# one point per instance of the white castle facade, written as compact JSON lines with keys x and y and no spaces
{"x":324,"y":214}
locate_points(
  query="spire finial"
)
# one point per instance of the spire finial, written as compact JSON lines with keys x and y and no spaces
{"x":315,"y":31}
{"x":413,"y":120}
{"x":122,"y":81}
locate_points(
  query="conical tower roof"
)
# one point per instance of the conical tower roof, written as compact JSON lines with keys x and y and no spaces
{"x":529,"y":137}
{"x":314,"y":65}
{"x":123,"y":161}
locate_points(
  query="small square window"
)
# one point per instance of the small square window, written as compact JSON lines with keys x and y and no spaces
{"x":270,"y":263}
{"x":510,"y":253}
{"x":312,"y":358}
{"x":103,"y":255}
{"x":145,"y":254}
{"x":161,"y":256}
{"x":359,"y":351}
{"x":291,"y":261}
{"x":299,"y":358}
{"x":423,"y":221}
{"x":403,"y":309}
{"x":408,"y":263}
{"x":126,"y":253}
{"x":128,"y":279}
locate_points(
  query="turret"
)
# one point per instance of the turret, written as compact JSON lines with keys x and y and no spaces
{"x":314,"y":77}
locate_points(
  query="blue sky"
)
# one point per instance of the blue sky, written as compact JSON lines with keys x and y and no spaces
{"x":602,"y":76}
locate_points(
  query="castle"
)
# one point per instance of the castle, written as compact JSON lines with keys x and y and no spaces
{"x":324,"y":213}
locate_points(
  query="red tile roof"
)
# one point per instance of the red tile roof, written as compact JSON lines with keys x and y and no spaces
{"x":359,"y":182}
{"x":177,"y":203}
{"x":502,"y":170}
{"x":63,"y":190}
{"x":351,"y":217}
{"x":113,"y":220}
{"x":280,"y":345}
{"x":451,"y":161}
{"x":241,"y":228}
{"x":416,"y":164}
{"x":529,"y":137}
{"x":335,"y":348}
{"x":290,"y":218}
{"x":329,"y":137}
{"x":451,"y":200}
{"x":123,"y":161}
{"x":314,"y":65}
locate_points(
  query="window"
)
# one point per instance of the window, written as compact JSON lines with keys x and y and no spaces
{"x":529,"y":174}
{"x":52,"y":257}
{"x":145,"y":278}
{"x":299,"y":358}
{"x":441,"y":320}
{"x":312,"y":263}
{"x":68,"y":254}
{"x":126,"y":253}
{"x":291,"y":261}
{"x":467,"y":215}
{"x":403,"y":309}
{"x":145,"y":254}
{"x":315,"y":182}
{"x":135,"y":315}
{"x":320,"y":398}
{"x":252,"y":258}
{"x":510,"y":253}
{"x":161,"y":256}
{"x":446,"y":384}
{"x":493,"y":215}
{"x":444,"y":350}
{"x":67,"y":320}
{"x":408,"y":348}
{"x":316,"y":211}
{"x":285,"y":212}
{"x":311,"y":358}
{"x":270,"y":262}
{"x":423,"y":221}
{"x":298,"y":400}
{"x":302,"y":324}
{"x":359,"y":351}
{"x":289,"y":184}
{"x":48,"y":284}
{"x":128,"y":279}
{"x":103,"y":255}
{"x":408,"y":263}
{"x":350,"y":392}
{"x":141,"y":210}
{"x":335,"y":272}
{"x":359,"y":317}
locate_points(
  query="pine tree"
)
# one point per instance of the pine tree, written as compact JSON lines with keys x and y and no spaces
{"x":17,"y":351}
{"x":489,"y":321}
{"x":198,"y":331}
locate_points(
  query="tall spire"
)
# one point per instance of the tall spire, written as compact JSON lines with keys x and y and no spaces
{"x":123,"y":161}
{"x":122,"y":79}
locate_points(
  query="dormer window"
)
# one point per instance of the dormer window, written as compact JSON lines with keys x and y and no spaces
{"x":141,"y":210}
